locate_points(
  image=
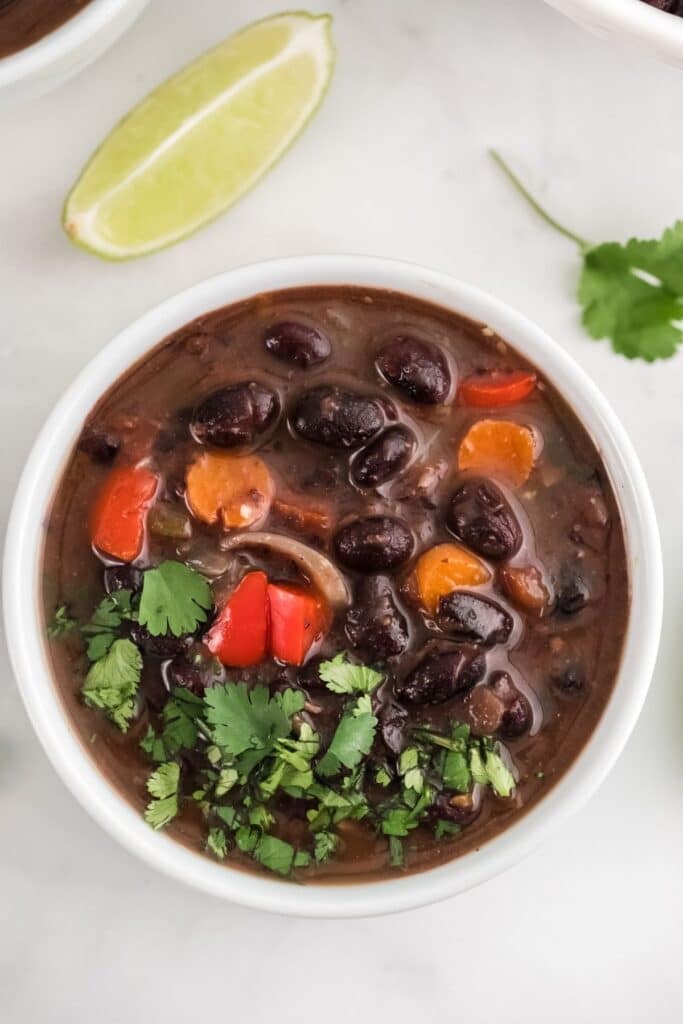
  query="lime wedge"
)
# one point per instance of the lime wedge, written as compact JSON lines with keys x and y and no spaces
{"x":202,"y":139}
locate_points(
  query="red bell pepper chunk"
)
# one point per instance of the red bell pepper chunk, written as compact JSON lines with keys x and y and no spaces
{"x":239,"y":635}
{"x":117,"y":522}
{"x":497,"y":388}
{"x":298,"y":617}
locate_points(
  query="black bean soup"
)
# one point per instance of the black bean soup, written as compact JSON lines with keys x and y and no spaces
{"x":335,"y":584}
{"x":24,"y":22}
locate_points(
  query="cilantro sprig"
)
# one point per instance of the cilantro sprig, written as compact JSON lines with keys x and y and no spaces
{"x":111,"y":684}
{"x":631,"y":293}
{"x":175,"y":599}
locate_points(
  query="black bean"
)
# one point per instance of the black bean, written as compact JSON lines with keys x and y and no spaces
{"x":416,"y":367}
{"x":165,"y":646}
{"x":480,"y":516}
{"x":374,"y":544}
{"x":477,"y":619}
{"x":235,"y":415}
{"x":460,"y":808}
{"x":100,"y":445}
{"x":570,"y":680}
{"x":384,"y":457}
{"x":122,"y":577}
{"x":439,"y":677}
{"x":183,"y":673}
{"x":517,"y":716}
{"x":297,"y":343}
{"x":374,"y":624}
{"x":336,"y":418}
{"x":572,"y":592}
{"x":393,"y":718}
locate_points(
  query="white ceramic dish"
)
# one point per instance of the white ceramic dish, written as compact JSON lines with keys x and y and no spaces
{"x":632,"y":22}
{"x":66,"y":51}
{"x":25,"y":628}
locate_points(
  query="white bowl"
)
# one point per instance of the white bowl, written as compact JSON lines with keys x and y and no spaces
{"x":632,"y":22}
{"x":25,"y":628}
{"x":66,"y":51}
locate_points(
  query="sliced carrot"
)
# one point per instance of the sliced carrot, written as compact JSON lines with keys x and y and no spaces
{"x":117,"y":520}
{"x":499,"y":447}
{"x":299,"y":515}
{"x":235,"y":489}
{"x":445,"y":568}
{"x":497,"y":388}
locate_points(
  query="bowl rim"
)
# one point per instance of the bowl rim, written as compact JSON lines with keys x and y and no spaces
{"x":28,"y":651}
{"x":639,"y":20}
{"x":61,"y":42}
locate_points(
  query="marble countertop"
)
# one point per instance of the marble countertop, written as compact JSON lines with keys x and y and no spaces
{"x":586,"y":929}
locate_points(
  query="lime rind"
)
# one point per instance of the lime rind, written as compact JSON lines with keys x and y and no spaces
{"x":122,"y":182}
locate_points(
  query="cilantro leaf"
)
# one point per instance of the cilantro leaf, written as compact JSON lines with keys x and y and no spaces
{"x":111,"y":685}
{"x":106,"y":622}
{"x":396,"y":854}
{"x":62,"y":623}
{"x":352,"y":740}
{"x":246,"y":723}
{"x":153,"y":745}
{"x":275,"y":854}
{"x":445,"y":828}
{"x":456,"y":771}
{"x":162,"y":785}
{"x":631,"y":293}
{"x":489,"y":769}
{"x":340,"y":676}
{"x":292,"y":768}
{"x":175,"y":599}
{"x":217,"y":842}
{"x":324,"y":845}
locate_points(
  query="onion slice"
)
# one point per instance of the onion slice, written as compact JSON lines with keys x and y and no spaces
{"x":319,"y":569}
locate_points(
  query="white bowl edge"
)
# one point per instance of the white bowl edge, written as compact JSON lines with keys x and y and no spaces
{"x":632,"y":22}
{"x":24,"y":627}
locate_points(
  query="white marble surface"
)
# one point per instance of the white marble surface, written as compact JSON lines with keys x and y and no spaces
{"x":589,"y":927}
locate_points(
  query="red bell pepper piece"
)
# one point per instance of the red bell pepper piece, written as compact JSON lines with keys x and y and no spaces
{"x":497,"y":388}
{"x":117,"y":522}
{"x":239,"y":635}
{"x":298,"y":617}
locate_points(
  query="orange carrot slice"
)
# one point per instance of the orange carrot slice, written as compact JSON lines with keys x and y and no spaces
{"x":499,"y":447}
{"x":445,"y":568}
{"x":235,"y":489}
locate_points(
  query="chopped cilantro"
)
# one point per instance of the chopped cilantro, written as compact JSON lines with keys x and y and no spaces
{"x":324,"y":845}
{"x":247,"y":723}
{"x":111,"y":685}
{"x":61,"y":624}
{"x":445,"y":828}
{"x":217,"y":842}
{"x":175,"y":599}
{"x":631,"y":293}
{"x":162,"y":785}
{"x":275,"y":854}
{"x":352,"y":740}
{"x":396,"y":852}
{"x":106,"y":622}
{"x":342,"y":677}
{"x":292,"y":769}
{"x":153,"y":745}
{"x":489,"y":769}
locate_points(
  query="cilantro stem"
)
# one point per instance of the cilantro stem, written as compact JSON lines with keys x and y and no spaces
{"x":535,"y":205}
